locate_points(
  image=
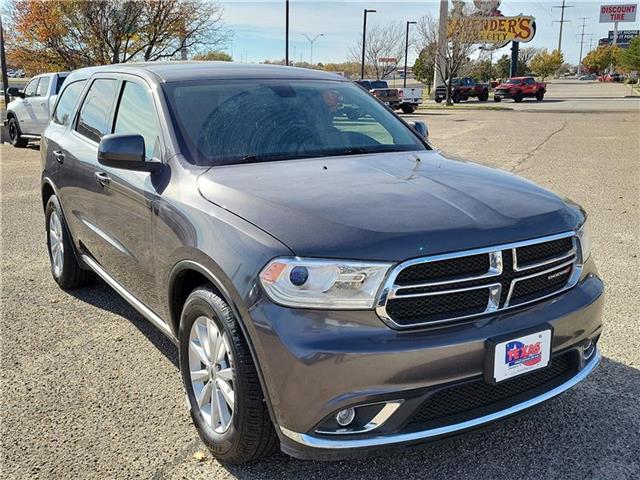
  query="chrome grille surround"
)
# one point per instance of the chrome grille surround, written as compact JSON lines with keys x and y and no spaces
{"x":390,"y":290}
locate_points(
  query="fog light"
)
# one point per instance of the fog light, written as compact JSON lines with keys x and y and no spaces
{"x":345,"y":417}
{"x":588,"y":349}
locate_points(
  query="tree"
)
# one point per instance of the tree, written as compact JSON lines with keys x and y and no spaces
{"x":68,"y":34}
{"x":214,"y":55}
{"x":603,"y":57}
{"x":384,"y":42}
{"x":545,"y":63}
{"x":462,"y":38}
{"x":481,"y":70}
{"x":630,"y":56}
{"x":424,"y":67}
{"x":503,"y":67}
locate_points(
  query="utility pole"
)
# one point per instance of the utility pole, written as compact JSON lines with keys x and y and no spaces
{"x":311,"y":40}
{"x":582,"y":35}
{"x":286,"y":34}
{"x":5,"y":79}
{"x":441,"y":64}
{"x":406,"y":53}
{"x":364,"y":40}
{"x":562,"y":21}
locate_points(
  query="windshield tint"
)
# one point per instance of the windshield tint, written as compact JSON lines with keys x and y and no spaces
{"x":224,"y":122}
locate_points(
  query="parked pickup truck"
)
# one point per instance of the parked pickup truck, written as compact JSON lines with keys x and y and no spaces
{"x":380,"y":89}
{"x":29,"y":112}
{"x":410,"y":99}
{"x":463,"y":89}
{"x":519,"y":88}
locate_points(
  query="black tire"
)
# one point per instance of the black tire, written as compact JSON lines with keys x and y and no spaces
{"x":251,"y":435}
{"x":408,"y":109}
{"x":483,"y":97}
{"x":497,"y":99}
{"x":15,"y":135}
{"x":456,"y":98}
{"x":540,"y":95}
{"x":438,"y":100}
{"x":518,"y":97}
{"x":71,"y":275}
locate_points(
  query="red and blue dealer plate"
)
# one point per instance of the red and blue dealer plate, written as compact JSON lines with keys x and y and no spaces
{"x":508,"y":358}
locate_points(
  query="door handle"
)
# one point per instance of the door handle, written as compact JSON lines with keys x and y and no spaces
{"x":59,"y":156}
{"x":102,"y":178}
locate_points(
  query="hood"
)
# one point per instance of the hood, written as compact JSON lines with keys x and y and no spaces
{"x":386,"y":206}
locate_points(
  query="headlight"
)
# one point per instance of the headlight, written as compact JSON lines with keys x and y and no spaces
{"x":313,"y":283}
{"x":584,"y":235}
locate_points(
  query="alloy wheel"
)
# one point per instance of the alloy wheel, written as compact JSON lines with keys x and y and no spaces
{"x":212,"y":373}
{"x":56,"y":244}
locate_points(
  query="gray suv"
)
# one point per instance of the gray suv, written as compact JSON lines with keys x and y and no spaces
{"x":334,"y":285}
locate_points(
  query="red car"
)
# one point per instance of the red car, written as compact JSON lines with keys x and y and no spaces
{"x":519,"y":88}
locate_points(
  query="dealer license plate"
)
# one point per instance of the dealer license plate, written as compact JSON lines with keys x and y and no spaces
{"x":520,"y":355}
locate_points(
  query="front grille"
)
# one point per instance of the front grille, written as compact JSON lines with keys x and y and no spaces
{"x":461,"y":285}
{"x":473,"y":399}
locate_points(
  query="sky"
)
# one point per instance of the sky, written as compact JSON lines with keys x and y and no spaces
{"x":258,"y":26}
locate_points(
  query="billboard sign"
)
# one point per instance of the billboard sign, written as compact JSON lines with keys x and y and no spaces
{"x":624,"y":36}
{"x":618,"y":13}
{"x":496,"y":29}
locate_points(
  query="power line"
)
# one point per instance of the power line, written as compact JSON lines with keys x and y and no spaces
{"x":562,"y":21}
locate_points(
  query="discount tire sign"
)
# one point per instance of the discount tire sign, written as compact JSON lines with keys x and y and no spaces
{"x":618,"y":13}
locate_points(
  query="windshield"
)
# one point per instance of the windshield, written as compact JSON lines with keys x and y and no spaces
{"x":514,"y":81}
{"x":379,"y":84}
{"x":222,"y":122}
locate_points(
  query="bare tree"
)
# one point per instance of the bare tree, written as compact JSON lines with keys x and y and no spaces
{"x":384,"y":43}
{"x":462,"y":39}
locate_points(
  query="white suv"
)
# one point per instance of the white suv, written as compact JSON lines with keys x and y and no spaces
{"x":29,"y":112}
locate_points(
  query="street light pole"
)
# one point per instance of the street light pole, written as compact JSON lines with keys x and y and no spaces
{"x":286,"y":34}
{"x":406,"y":53}
{"x":364,"y":40}
{"x":311,"y":40}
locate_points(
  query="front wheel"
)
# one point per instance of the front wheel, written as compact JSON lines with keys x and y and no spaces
{"x":540,"y":95}
{"x":225,"y":397}
{"x":65,"y":268}
{"x":518,"y":97}
{"x":497,"y":99}
{"x":483,"y":97}
{"x":15,"y":136}
{"x":456,"y":98}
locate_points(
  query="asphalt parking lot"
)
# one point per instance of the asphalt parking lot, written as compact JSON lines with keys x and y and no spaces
{"x":91,"y":390}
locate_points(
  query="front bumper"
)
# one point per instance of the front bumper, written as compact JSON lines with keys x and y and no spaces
{"x":318,"y":362}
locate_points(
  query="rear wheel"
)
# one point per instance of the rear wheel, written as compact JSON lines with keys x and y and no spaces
{"x":483,"y":97}
{"x":15,"y":136}
{"x":456,"y":98}
{"x":438,"y":100}
{"x":408,"y":109}
{"x":225,"y":397}
{"x":65,"y":268}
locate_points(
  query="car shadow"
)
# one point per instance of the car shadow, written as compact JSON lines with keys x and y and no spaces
{"x":102,"y":296}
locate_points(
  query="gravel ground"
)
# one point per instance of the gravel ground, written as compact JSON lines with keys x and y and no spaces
{"x":90,"y":390}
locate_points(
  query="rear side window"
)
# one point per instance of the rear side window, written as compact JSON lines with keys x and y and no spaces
{"x":136,"y":115}
{"x":529,"y":81}
{"x":59,"y":83}
{"x":43,"y":87}
{"x":68,"y":99}
{"x":93,"y":121}
{"x":30,"y":89}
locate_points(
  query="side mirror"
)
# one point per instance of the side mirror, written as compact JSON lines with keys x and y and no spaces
{"x":421,"y":128}
{"x":15,"y":92}
{"x":126,"y":152}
